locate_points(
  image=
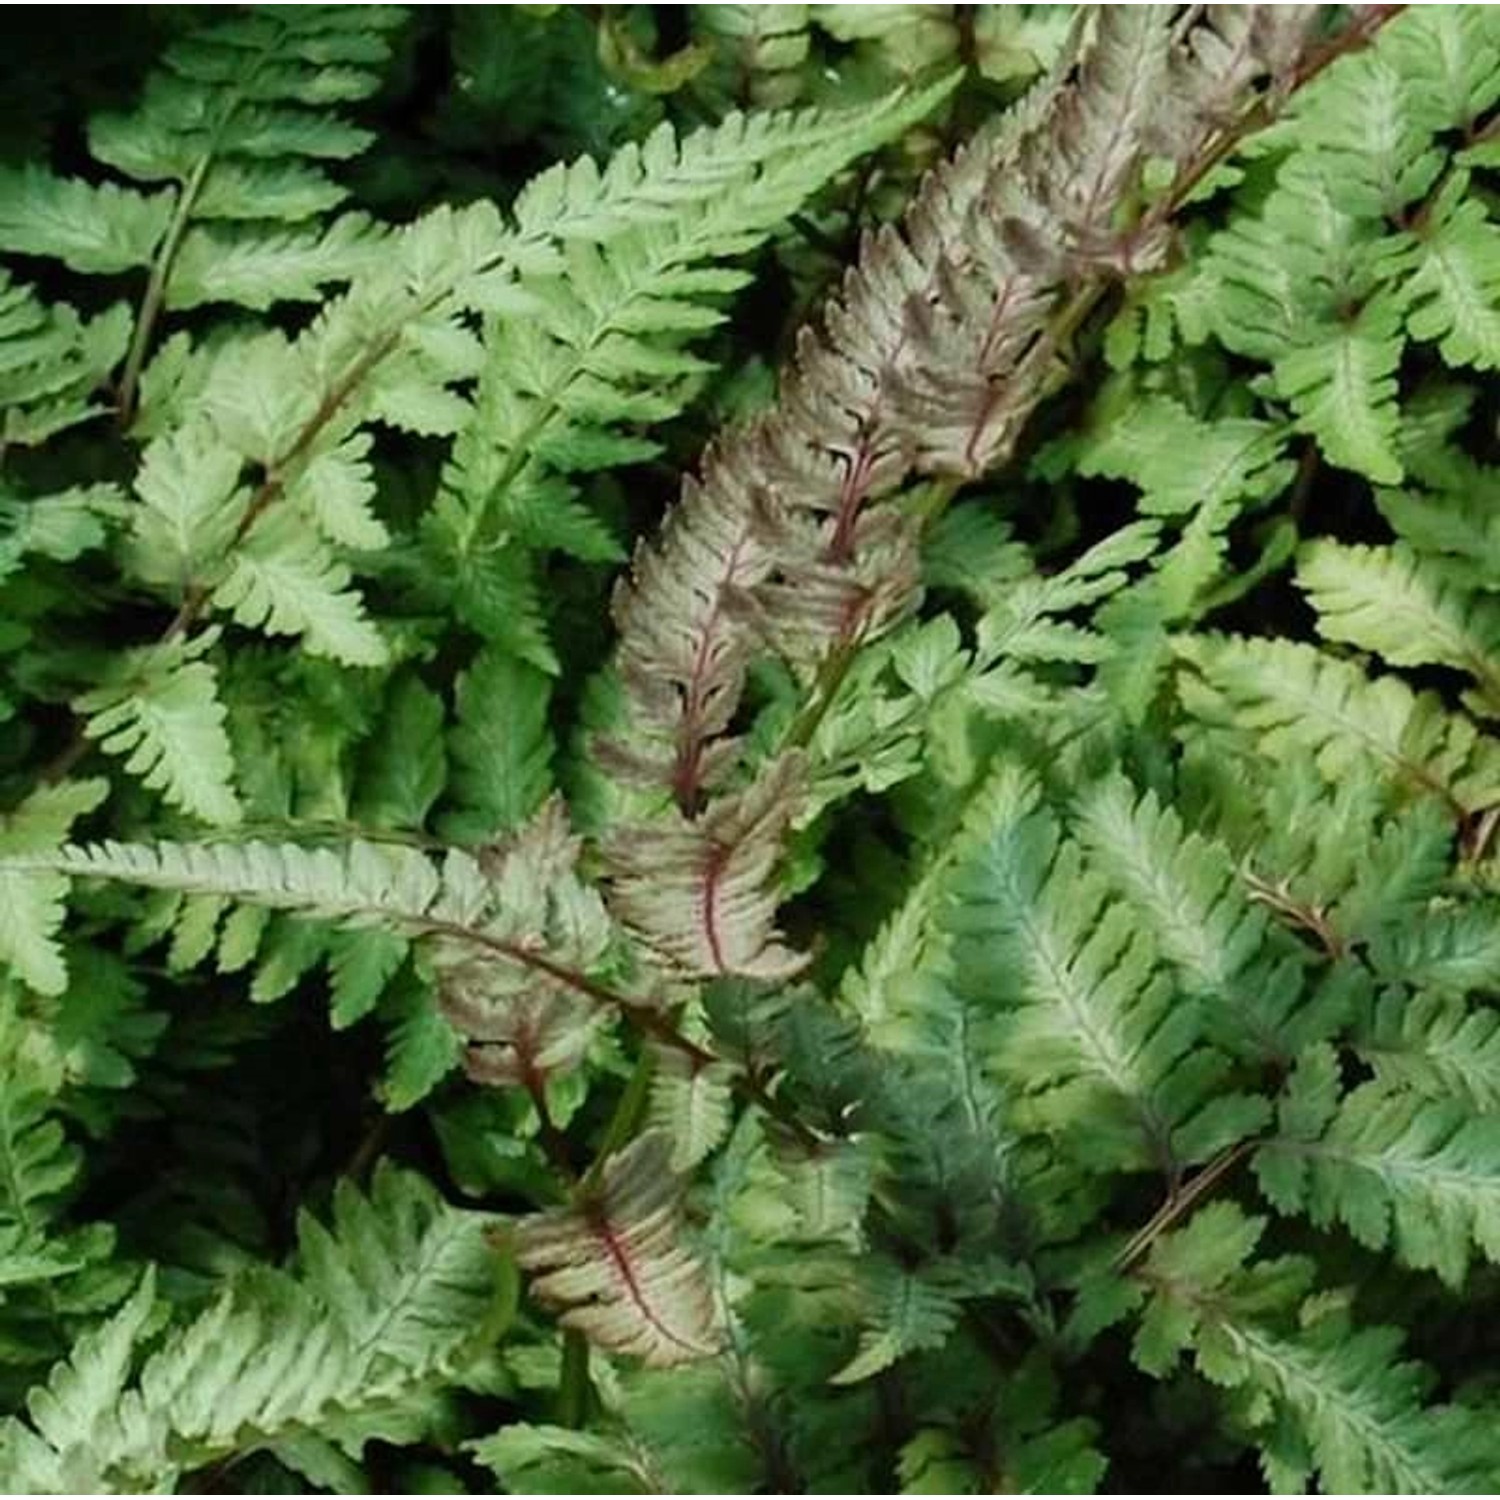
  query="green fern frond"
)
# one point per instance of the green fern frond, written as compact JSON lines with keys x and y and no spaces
{"x":531,"y":1458}
{"x":237,"y":121}
{"x":1085,"y":1021}
{"x":52,"y":363}
{"x":38,"y":1164}
{"x":1451,"y":296}
{"x":1181,"y":463}
{"x":907,"y":1313}
{"x":1403,"y":608}
{"x":1394,"y":1168}
{"x":1435,"y":1046}
{"x":501,"y":746}
{"x":1292,"y":698}
{"x":61,"y":526}
{"x":1451,"y":949}
{"x":162,"y":713}
{"x":283,"y":581}
{"x":510,"y":943}
{"x":1370,"y":130}
{"x":400,"y":1290}
{"x":31,"y":902}
{"x":97,"y":230}
{"x":1187,"y":888}
{"x":1343,"y":388}
{"x":691,"y":1104}
{"x":1450,"y":60}
{"x":1322,"y":1398}
{"x":364,"y":884}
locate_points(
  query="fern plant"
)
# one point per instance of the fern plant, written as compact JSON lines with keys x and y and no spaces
{"x":967,"y":965}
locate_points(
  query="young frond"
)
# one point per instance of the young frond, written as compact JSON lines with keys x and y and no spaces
{"x":617,"y":1265}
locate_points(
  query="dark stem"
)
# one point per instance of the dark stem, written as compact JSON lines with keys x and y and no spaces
{"x":1178,"y":1203}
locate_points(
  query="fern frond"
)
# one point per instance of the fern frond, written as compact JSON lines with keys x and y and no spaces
{"x":97,"y":230}
{"x":1181,"y":463}
{"x":38,"y":1164}
{"x":1394,"y":1168}
{"x":31,"y":902}
{"x":1083,"y":1018}
{"x":617,"y":1267}
{"x":1343,"y":389}
{"x":530,"y":1458}
{"x":691,"y":1105}
{"x":605,"y":346}
{"x":283,"y":581}
{"x":1435,"y":1046}
{"x":1451,"y":950}
{"x":697,"y":891}
{"x":758,"y":49}
{"x":1186,"y":887}
{"x":238,"y":121}
{"x":191,"y":505}
{"x":1321,"y":1396}
{"x":1450,"y":60}
{"x":52,"y":363}
{"x":1293,"y":698}
{"x":1389,"y":601}
{"x":1372,"y":134}
{"x":501,"y":746}
{"x":907,"y":1313}
{"x":404,"y":767}
{"x":401,"y":1290}
{"x":365,"y":884}
{"x":1450,"y":299}
{"x":932,"y":357}
{"x":60,"y":526}
{"x":162,"y":713}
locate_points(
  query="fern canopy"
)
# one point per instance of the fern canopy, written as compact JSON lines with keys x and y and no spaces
{"x":750,"y":750}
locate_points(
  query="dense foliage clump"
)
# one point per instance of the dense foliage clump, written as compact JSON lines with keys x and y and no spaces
{"x":751,"y":748}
